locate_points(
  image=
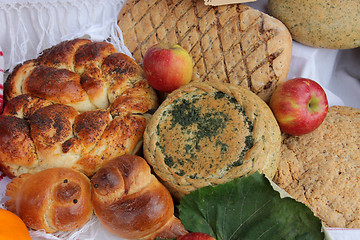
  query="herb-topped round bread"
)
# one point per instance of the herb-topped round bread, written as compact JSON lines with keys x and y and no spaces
{"x":210,"y":133}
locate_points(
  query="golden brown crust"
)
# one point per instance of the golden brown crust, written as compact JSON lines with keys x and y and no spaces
{"x":25,"y":105}
{"x":209,"y":133}
{"x":62,"y":55}
{"x":56,"y":199}
{"x":321,"y":168}
{"x":92,"y":55}
{"x":17,"y":148}
{"x":56,"y":85}
{"x":232,"y":43}
{"x":81,"y":103}
{"x":89,"y":127}
{"x":50,"y":127}
{"x":13,"y":191}
{"x":13,"y":88}
{"x":130,"y":202}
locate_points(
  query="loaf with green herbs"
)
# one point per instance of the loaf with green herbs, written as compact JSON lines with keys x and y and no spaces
{"x":210,"y":133}
{"x":331,"y":24}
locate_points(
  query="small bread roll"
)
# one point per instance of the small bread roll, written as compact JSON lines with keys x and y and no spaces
{"x":55,"y":199}
{"x":131,"y":203}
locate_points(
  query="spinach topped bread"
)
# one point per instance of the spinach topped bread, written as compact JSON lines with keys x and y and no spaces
{"x":210,"y":133}
{"x":231,"y":43}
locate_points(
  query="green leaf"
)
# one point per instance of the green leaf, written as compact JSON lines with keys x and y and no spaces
{"x":248,"y":208}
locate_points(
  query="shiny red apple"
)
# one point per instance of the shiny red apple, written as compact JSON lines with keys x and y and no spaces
{"x":299,"y":105}
{"x":196,"y":236}
{"x":167,"y":67}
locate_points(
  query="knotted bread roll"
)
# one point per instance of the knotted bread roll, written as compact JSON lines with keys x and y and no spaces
{"x":130,"y":202}
{"x":77,"y":104}
{"x":56,"y":199}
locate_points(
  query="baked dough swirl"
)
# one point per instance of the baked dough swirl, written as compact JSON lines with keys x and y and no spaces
{"x":56,"y":199}
{"x":130,"y":202}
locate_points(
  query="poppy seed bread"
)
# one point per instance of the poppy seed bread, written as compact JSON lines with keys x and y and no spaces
{"x":77,"y":105}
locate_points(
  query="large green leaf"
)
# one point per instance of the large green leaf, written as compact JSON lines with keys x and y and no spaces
{"x":248,"y":208}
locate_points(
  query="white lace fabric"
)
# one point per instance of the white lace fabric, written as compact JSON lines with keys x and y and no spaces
{"x":29,"y":26}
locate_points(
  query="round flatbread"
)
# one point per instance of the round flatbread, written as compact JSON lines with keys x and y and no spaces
{"x":210,"y":133}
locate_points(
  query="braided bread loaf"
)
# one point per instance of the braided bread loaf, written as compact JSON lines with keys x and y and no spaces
{"x":76,"y":105}
{"x":130,"y":202}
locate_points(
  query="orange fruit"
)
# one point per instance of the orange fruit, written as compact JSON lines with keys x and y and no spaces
{"x":12,"y":227}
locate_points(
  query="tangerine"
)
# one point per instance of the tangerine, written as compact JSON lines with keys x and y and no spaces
{"x":12,"y":227}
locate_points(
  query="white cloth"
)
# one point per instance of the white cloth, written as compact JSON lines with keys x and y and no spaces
{"x":30,"y":26}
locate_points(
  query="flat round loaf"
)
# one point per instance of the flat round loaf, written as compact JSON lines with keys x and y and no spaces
{"x":322,"y":168}
{"x":56,"y":199}
{"x":232,"y":43}
{"x":210,"y":133}
{"x":320,"y":23}
{"x":76,"y":105}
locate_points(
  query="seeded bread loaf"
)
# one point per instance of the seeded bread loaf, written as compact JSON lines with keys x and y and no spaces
{"x":232,"y":43}
{"x":322,"y":168}
{"x":209,"y":133}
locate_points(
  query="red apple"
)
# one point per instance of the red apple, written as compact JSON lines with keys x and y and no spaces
{"x":196,"y":236}
{"x":299,"y":105}
{"x":167,"y":67}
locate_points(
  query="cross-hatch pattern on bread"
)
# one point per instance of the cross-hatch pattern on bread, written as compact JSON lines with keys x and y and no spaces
{"x":77,"y":105}
{"x":231,"y":43}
